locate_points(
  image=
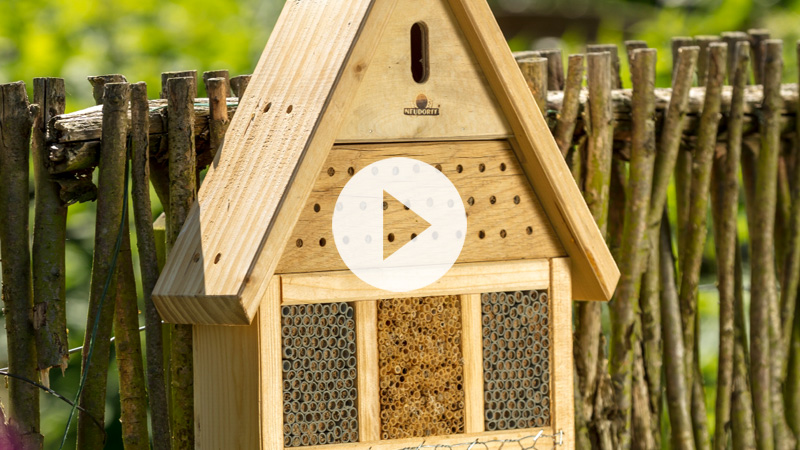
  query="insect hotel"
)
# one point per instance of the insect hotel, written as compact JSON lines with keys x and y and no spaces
{"x":291,"y":348}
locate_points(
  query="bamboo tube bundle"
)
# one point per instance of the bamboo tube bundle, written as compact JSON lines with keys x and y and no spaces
{"x":319,"y":374}
{"x":420,"y":367}
{"x":516,"y":355}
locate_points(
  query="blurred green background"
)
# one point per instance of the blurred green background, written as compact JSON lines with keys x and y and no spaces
{"x":142,"y":38}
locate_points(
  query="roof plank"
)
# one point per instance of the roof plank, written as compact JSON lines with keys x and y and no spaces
{"x":595,"y":272}
{"x":278,"y":140}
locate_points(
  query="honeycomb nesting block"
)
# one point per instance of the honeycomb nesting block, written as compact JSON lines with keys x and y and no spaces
{"x":516,"y":359}
{"x":420,"y":367}
{"x":319,"y":374}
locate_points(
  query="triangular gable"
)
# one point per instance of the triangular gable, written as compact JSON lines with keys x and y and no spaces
{"x":288,"y":121}
{"x":456,"y":89}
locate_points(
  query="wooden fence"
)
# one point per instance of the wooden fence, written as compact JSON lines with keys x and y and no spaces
{"x":727,"y":118}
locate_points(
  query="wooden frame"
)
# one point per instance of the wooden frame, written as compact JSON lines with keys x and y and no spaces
{"x":248,"y":360}
{"x":473,"y":278}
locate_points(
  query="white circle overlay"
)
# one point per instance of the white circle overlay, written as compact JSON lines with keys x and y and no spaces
{"x":358,"y":224}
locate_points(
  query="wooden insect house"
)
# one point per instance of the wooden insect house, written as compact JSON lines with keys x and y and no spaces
{"x":291,"y":348}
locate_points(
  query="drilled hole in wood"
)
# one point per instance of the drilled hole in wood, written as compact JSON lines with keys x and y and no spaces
{"x":503,"y":234}
{"x":420,"y":66}
{"x":351,"y":171}
{"x":196,"y":257}
{"x":390,"y":237}
{"x":481,"y":234}
{"x":268,"y":107}
{"x":331,"y":171}
{"x":493,"y":199}
{"x":316,"y":207}
{"x":413,"y":235}
{"x":481,"y":167}
{"x":459,"y":168}
{"x":322,"y":242}
{"x":299,"y":243}
{"x":529,"y":230}
{"x":289,"y":109}
{"x":502,"y":167}
{"x":438,"y":167}
{"x":217,"y":258}
{"x":471,"y":201}
{"x":516,"y":199}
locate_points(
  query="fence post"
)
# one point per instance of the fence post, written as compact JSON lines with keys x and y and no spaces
{"x":182,"y":194}
{"x":49,"y":238}
{"x":16,"y":120}
{"x":107,"y":240}
{"x":148,"y":262}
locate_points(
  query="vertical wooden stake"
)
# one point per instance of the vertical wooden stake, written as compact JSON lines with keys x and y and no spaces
{"x":101,"y":302}
{"x":567,"y":117}
{"x":271,"y":382}
{"x":472,"y":351}
{"x":369,"y":407}
{"x":725,"y":197}
{"x":49,"y":238}
{"x":16,"y":120}
{"x":239,"y":84}
{"x":563,"y":414}
{"x":148,"y":263}
{"x":182,"y":194}
{"x":535,"y":72}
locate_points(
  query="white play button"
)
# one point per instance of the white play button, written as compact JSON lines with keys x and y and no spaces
{"x":358,"y":224}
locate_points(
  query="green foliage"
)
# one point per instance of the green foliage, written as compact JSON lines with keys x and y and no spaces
{"x":137,"y":38}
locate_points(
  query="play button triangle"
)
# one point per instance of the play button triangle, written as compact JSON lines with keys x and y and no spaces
{"x":397,"y":216}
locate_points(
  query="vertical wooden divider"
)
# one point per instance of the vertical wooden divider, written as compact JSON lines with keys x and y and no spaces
{"x":472,"y":351}
{"x":369,"y":408}
{"x":562,"y":416}
{"x":271,"y":385}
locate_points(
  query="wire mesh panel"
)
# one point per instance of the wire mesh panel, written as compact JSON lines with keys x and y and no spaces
{"x":516,"y":359}
{"x":420,"y":366}
{"x":319,"y":374}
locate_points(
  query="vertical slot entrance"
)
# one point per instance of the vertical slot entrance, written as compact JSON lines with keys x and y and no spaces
{"x":420,"y":66}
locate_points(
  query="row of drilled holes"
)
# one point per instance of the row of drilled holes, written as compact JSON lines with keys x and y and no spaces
{"x":459,"y":168}
{"x":391,"y":237}
{"x":470,"y":202}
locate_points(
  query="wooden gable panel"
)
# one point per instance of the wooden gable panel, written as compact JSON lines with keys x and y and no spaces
{"x":459,"y":104}
{"x":505,"y":220}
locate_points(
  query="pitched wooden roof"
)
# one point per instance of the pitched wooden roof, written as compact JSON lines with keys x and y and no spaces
{"x":287,"y":122}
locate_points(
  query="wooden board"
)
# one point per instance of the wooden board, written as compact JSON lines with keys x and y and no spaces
{"x":472,"y":350}
{"x":456,"y":88}
{"x":226,"y":386}
{"x":562,"y":399}
{"x":483,"y":441}
{"x":505,"y":220}
{"x":270,"y":368}
{"x":369,"y":411}
{"x":344,"y":286}
{"x":274,"y":148}
{"x":595,"y":272}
